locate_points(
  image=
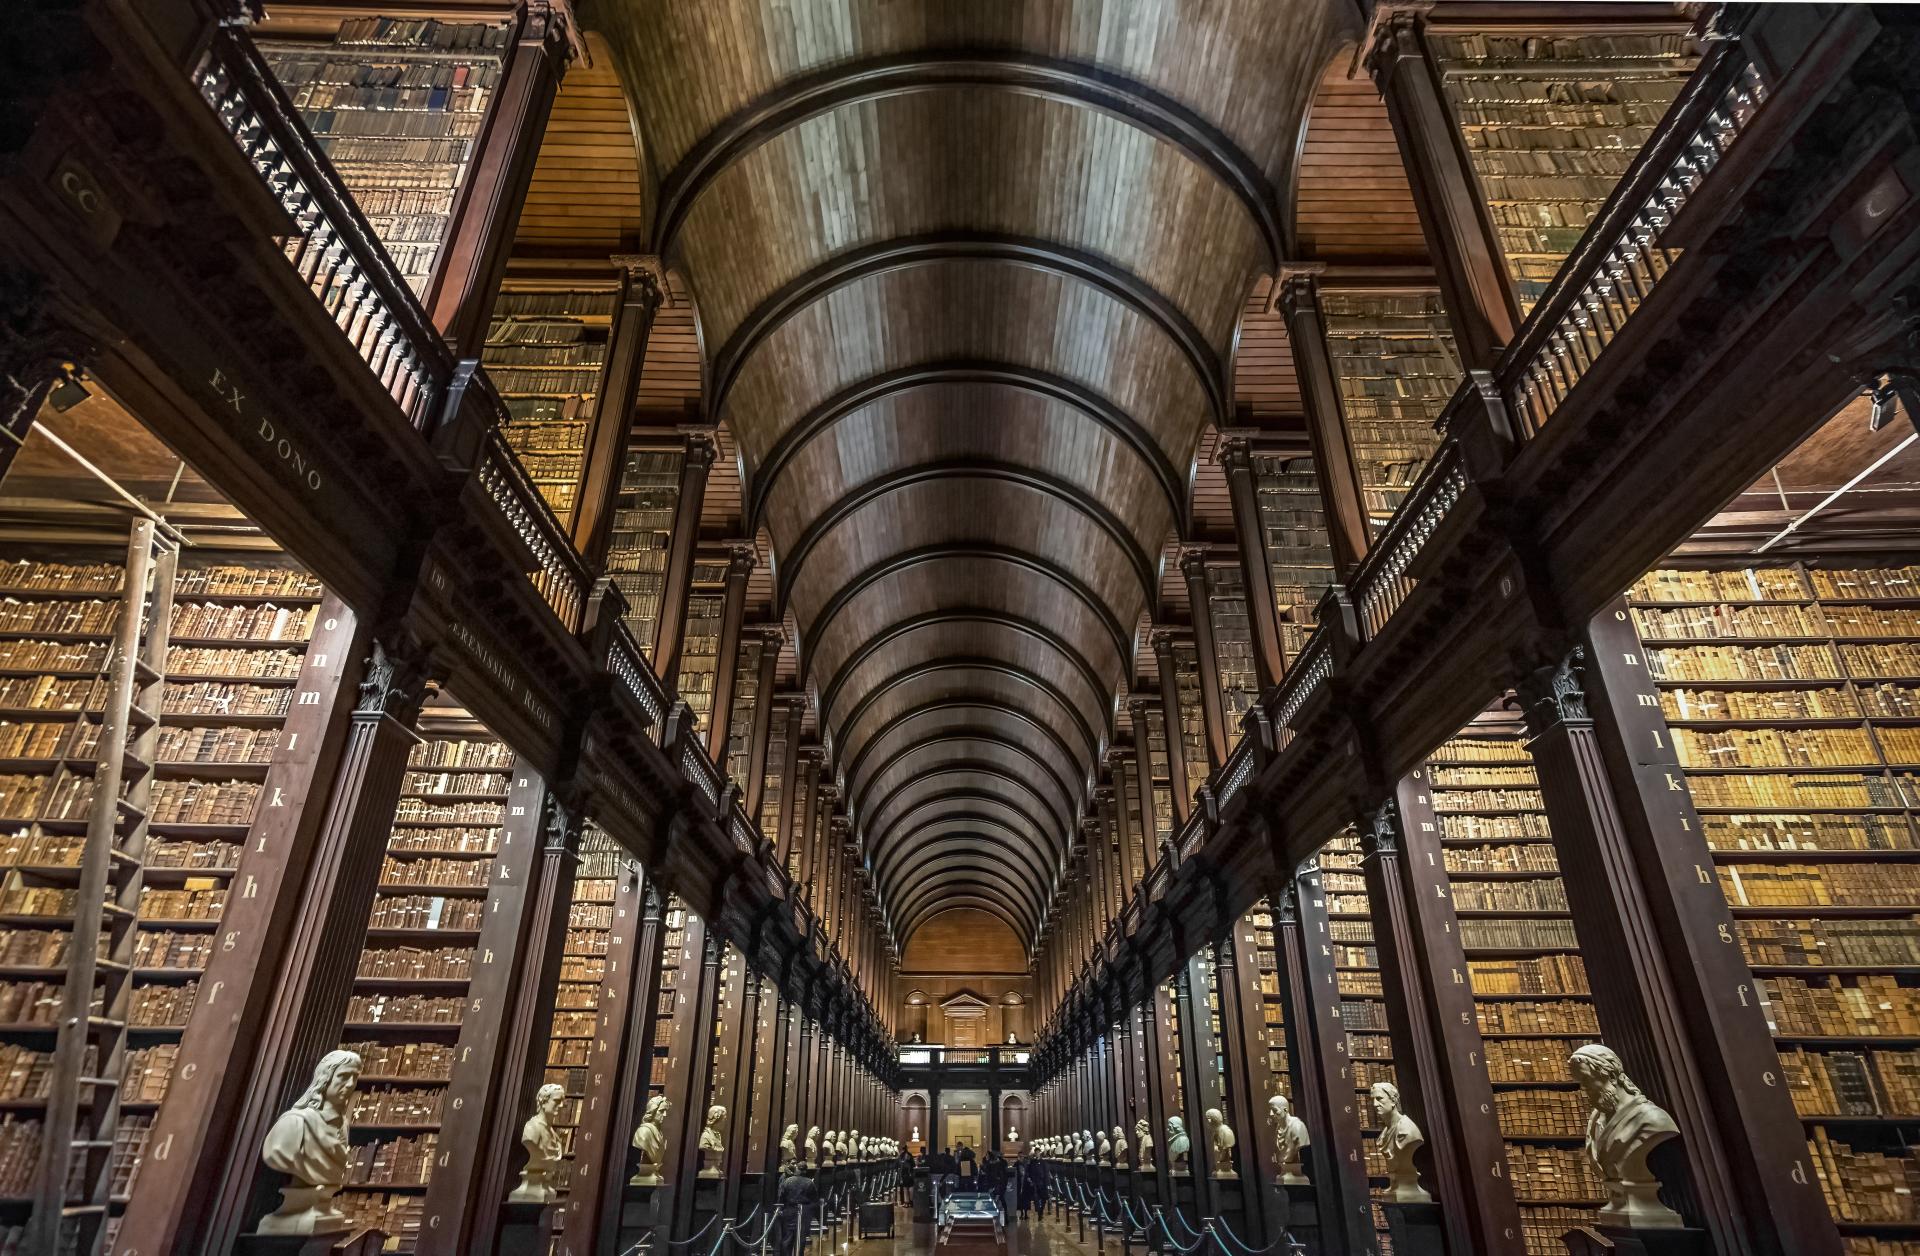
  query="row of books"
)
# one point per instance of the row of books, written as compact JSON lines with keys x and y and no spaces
{"x":1852,"y":1083}
{"x":1865,"y":1185}
{"x":1831,"y":943}
{"x":1869,"y":1006}
{"x":1819,"y":885}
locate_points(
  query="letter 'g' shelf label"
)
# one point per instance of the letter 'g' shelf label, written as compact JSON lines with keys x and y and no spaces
{"x":292,"y":457}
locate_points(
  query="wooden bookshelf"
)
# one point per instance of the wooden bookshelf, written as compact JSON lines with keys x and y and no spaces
{"x":1396,"y":367}
{"x":1527,"y":974}
{"x":1193,"y":720}
{"x":1232,"y":641}
{"x":642,"y":535}
{"x":1363,"y":1005}
{"x":545,"y":351}
{"x":1550,"y":121}
{"x":1294,"y":520}
{"x":410,"y":989}
{"x":700,"y":644}
{"x":746,"y":692}
{"x":773,"y":784}
{"x":676,"y":963}
{"x":397,"y":105}
{"x":583,"y":973}
{"x":1789,"y":694}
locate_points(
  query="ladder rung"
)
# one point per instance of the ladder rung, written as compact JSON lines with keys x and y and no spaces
{"x":82,"y":1210}
{"x":101,"y":1022}
{"x":108,"y":1083}
{"x":144,"y":671}
{"x":115,"y":966}
{"x":92,"y":1144}
{"x":116,"y":909}
{"x":138,"y":717}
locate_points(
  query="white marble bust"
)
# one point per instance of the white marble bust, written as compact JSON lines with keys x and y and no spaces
{"x":1120,"y":1160}
{"x":1220,"y":1143}
{"x":813,"y":1146}
{"x":546,"y":1148}
{"x":788,"y":1152}
{"x":1399,"y":1138}
{"x":1290,"y":1138}
{"x":650,"y":1140}
{"x":1143,"y":1134}
{"x":309,"y":1144}
{"x":713,"y":1142}
{"x":1623,"y":1129}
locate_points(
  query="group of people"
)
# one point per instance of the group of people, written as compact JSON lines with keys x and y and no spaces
{"x":1021,"y":1183}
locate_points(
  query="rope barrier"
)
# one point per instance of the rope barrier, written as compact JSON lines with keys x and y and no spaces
{"x":1160,"y":1215}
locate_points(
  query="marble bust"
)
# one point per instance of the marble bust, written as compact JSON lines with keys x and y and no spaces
{"x":813,"y":1146}
{"x":1623,"y":1129}
{"x":1399,"y":1138}
{"x":713,"y":1142}
{"x":1086,"y":1146}
{"x":546,"y":1148}
{"x":1104,"y":1153}
{"x":1120,"y":1149}
{"x":1143,"y":1134}
{"x":788,"y":1152}
{"x":309,"y":1144}
{"x":1290,"y":1138}
{"x":1220,"y":1143}
{"x":1178,"y":1145}
{"x":650,"y":1140}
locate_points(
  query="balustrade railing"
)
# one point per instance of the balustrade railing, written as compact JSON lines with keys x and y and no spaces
{"x":559,"y":574}
{"x":1310,"y":671}
{"x":1384,"y":579}
{"x":332,"y":248}
{"x":1626,"y":252}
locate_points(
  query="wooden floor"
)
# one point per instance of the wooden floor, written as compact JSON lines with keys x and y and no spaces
{"x":1029,"y":1238}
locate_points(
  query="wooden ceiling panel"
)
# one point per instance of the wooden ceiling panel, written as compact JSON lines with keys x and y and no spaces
{"x":587,"y":197}
{"x":955,"y":161}
{"x":958,"y":312}
{"x":1352,"y":201}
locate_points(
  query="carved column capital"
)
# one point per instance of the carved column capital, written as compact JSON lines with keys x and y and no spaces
{"x":562,"y":827}
{"x":395,"y":682}
{"x":646,"y":278}
{"x":1298,"y":289}
{"x":1380,"y":833}
{"x":701,"y":450}
{"x":742,"y":558}
{"x":1193,"y":563}
{"x":1162,"y":641}
{"x":1555,"y":694}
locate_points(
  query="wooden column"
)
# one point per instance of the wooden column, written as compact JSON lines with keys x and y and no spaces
{"x":1193,"y":565}
{"x":1199,"y":1084}
{"x":754,"y":787}
{"x":486,"y":210}
{"x":623,"y":1043}
{"x":1439,"y":1060}
{"x":733,"y":1078}
{"x":1674,"y":994}
{"x":523,"y":1049}
{"x":1250,"y":1079}
{"x":208,"y":1093}
{"x":1263,"y":615}
{"x":690,"y":1058}
{"x":1130,"y":791}
{"x":726,"y":665}
{"x":1170,"y":728}
{"x":790,"y":768}
{"x":643,"y":287}
{"x":487,"y":1067}
{"x":1333,"y":461}
{"x":1453,"y":217}
{"x":1322,"y":1068}
{"x":309,"y":993}
{"x":773,"y":1058}
{"x":677,"y":584}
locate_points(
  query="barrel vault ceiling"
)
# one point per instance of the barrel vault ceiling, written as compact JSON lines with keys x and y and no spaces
{"x":969,"y":276}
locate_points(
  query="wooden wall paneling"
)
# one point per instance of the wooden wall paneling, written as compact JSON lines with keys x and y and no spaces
{"x":690,"y":1060}
{"x":1323,"y":1072}
{"x":1439,"y":1058}
{"x":1460,"y":238}
{"x":616,"y":1077}
{"x":486,"y":210}
{"x":1333,"y":460}
{"x":611,"y":429}
{"x":207,"y":1093}
{"x":1726,"y":1072}
{"x":517,"y":955}
{"x":322,"y":951}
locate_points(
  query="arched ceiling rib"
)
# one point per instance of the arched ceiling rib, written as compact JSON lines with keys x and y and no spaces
{"x":970,"y":273}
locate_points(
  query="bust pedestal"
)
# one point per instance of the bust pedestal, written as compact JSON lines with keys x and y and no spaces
{"x":1415,"y":1229}
{"x":1609,"y":1240}
{"x":1301,"y":1216}
{"x":526,"y":1229}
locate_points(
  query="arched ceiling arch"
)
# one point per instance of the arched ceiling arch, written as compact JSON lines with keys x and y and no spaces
{"x":971,"y":274}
